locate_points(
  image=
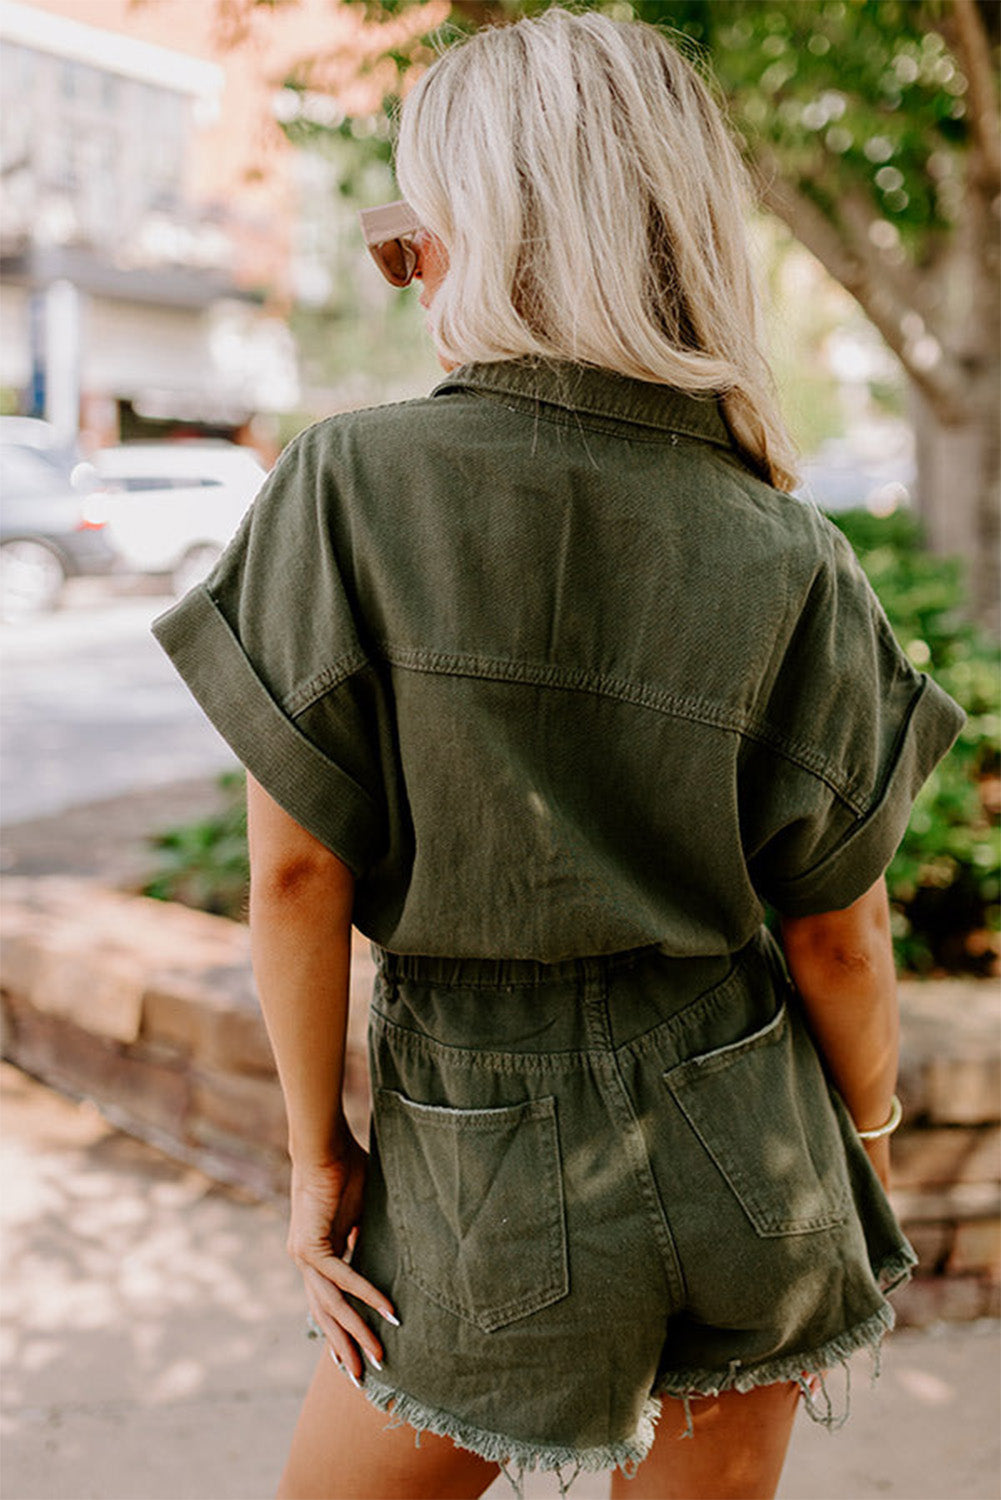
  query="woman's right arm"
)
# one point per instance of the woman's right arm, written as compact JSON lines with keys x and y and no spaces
{"x":842,"y":965}
{"x":301,"y":899}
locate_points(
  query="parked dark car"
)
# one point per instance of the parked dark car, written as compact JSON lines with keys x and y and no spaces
{"x":45,"y":533}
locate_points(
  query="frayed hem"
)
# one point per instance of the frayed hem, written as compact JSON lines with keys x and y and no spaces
{"x":516,"y":1458}
{"x":688,"y":1385}
{"x":896,"y":1270}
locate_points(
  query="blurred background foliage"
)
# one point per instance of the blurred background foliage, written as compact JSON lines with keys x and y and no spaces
{"x":945,"y":880}
{"x":205,"y":864}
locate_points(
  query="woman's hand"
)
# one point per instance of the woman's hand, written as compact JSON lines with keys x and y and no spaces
{"x":326,"y":1203}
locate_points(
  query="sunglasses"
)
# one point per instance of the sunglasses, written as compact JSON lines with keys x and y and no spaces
{"x":389,"y":233}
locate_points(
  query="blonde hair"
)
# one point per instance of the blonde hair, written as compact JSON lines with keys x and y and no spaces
{"x":593,"y":207}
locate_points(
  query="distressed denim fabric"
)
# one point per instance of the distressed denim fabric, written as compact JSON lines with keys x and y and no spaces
{"x":556,"y":674}
{"x":575,"y":694}
{"x":603,"y":1181}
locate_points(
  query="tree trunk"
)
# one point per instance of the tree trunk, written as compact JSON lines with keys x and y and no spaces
{"x":959,"y":489}
{"x":959,"y":442}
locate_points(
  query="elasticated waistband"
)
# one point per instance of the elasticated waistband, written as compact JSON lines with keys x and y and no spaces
{"x":499,"y":973}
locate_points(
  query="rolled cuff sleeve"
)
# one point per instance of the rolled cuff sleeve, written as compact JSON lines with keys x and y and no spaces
{"x":857,"y":862}
{"x":312,"y":788}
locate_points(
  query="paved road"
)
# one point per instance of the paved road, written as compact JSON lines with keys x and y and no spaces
{"x":91,"y":707}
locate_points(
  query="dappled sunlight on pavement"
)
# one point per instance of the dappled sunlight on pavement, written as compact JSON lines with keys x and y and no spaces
{"x":927,"y":1430}
{"x":151,"y":1341}
{"x":153,"y":1346}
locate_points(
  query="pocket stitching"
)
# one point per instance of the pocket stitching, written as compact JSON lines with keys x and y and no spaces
{"x":720,"y":1057}
{"x":554,"y":1279}
{"x":764,"y":1219}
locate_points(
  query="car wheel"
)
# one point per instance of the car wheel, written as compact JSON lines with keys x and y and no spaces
{"x":195,"y":565}
{"x":31,"y":578}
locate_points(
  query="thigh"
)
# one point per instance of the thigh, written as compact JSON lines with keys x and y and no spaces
{"x":736,"y":1452}
{"x":343,"y":1446}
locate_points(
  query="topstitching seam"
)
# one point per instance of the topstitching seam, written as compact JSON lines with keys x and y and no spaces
{"x":622,"y":689}
{"x":323,"y":682}
{"x":698,"y":711}
{"x":611,"y":425}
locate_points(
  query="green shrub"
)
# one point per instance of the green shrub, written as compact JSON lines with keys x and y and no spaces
{"x":206,"y":864}
{"x":945,"y":880}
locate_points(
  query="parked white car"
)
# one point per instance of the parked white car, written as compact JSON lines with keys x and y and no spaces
{"x":172,"y":507}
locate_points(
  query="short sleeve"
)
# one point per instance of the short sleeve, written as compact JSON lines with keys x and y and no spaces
{"x":270,"y":647}
{"x":849,"y":733}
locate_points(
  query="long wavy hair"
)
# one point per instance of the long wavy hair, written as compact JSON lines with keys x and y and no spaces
{"x":594,"y":209}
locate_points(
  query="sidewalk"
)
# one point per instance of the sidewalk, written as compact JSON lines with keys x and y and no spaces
{"x":109,"y":840}
{"x":153,"y":1344}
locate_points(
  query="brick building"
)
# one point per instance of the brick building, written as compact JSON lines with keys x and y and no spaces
{"x":151,"y":242}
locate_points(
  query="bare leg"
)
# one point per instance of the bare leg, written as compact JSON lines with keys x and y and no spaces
{"x":737,"y":1452}
{"x":341,"y":1450}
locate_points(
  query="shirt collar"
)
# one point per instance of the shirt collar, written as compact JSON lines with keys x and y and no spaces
{"x":586,"y":389}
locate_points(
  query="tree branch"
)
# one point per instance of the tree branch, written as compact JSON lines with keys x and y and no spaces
{"x":482,"y":12}
{"x":909,"y":287}
{"x":974,"y":49}
{"x":852,"y":263}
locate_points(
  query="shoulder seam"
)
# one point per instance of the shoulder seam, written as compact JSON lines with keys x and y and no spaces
{"x":340,"y":417}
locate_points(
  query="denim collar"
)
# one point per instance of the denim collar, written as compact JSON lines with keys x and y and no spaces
{"x":588,"y":390}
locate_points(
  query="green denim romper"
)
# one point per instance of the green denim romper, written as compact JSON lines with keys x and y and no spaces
{"x":575,"y":694}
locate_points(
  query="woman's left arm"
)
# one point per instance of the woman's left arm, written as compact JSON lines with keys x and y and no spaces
{"x":301,"y":897}
{"x":842,"y":965}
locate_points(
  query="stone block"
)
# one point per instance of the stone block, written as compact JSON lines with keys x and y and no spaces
{"x":952,"y":1017}
{"x":239,"y":1163}
{"x":950,"y":1060}
{"x":76,"y":950}
{"x":976,"y":1247}
{"x":932,"y":1243}
{"x":208,"y":1025}
{"x":238,"y":1107}
{"x":934,"y":1299}
{"x":20,"y":942}
{"x":100,"y":991}
{"x":147,"y":1092}
{"x":964,"y":1090}
{"x":237,"y":1040}
{"x":938,"y":1156}
{"x":173,"y":1018}
{"x":961,"y":1200}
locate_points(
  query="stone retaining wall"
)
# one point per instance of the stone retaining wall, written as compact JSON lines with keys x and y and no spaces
{"x":149,"y":1009}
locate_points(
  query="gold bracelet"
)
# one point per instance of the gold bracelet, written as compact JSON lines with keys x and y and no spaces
{"x":896,"y":1115}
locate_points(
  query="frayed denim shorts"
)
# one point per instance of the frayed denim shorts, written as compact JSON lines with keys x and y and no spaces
{"x":601,"y":1182}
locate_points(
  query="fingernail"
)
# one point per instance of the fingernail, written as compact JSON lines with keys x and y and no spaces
{"x":390,"y":1318}
{"x":345,"y":1371}
{"x":372,"y":1359}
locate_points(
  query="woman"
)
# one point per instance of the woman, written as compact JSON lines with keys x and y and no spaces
{"x":545,"y":685}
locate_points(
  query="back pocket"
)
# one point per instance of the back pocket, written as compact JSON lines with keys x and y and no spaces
{"x":762,"y":1110}
{"x":476,"y":1197}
